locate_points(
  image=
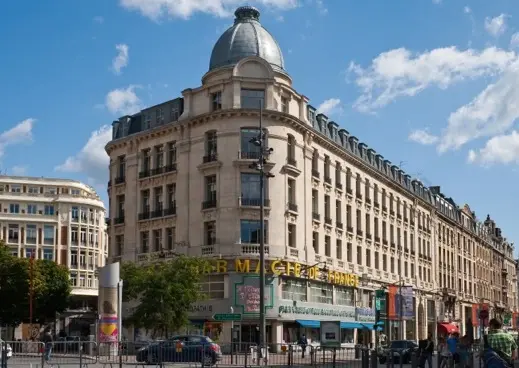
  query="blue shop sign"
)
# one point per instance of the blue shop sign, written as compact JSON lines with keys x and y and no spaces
{"x":365,"y":315}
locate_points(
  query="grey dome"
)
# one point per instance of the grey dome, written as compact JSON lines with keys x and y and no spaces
{"x":246,"y":38}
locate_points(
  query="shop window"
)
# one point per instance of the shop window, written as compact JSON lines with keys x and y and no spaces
{"x":347,"y":336}
{"x":292,"y":289}
{"x":321,"y":293}
{"x":213,"y":286}
{"x":345,"y":296}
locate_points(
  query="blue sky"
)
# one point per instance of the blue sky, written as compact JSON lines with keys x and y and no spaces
{"x":430,"y":84}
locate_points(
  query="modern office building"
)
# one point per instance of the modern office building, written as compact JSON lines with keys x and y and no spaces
{"x":63,"y":221}
{"x":341,"y":220}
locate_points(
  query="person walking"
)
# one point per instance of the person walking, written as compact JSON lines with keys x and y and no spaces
{"x":303,"y":342}
{"x":428,"y":351}
{"x":48,"y":341}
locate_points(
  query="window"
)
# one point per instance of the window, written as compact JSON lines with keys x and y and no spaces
{"x":119,"y":245}
{"x":249,"y":150}
{"x":48,"y":254}
{"x":14,"y":208}
{"x":252,"y":98}
{"x":359,"y":255}
{"x":315,"y":163}
{"x":172,"y":153}
{"x":250,"y":232}
{"x":48,"y":234}
{"x":327,"y":210}
{"x":175,"y":113}
{"x":30,"y":234}
{"x":33,"y":190}
{"x":211,"y":146}
{"x":338,"y":171}
{"x":368,"y":258}
{"x":145,"y":201}
{"x":327,"y":246}
{"x":49,"y":210}
{"x":32,"y":209}
{"x":159,"y":156}
{"x":73,"y":278}
{"x":216,"y":100}
{"x":121,"y":167}
{"x":84,"y":214}
{"x":146,"y":160}
{"x":159,"y":205}
{"x":160,"y":116}
{"x":284,"y":104}
{"x":327,"y":166}
{"x":210,"y":232}
{"x":338,"y":249}
{"x":146,"y":121}
{"x":157,"y":240}
{"x":250,"y":189}
{"x":345,"y":296}
{"x":210,"y":188}
{"x":171,"y":195}
{"x":74,"y":235}
{"x":321,"y":293}
{"x":291,"y":150}
{"x":315,"y":201}
{"x":120,"y":206}
{"x":349,"y":252}
{"x":14,"y":233}
{"x":82,"y":236}
{"x":145,"y":241}
{"x":315,"y":241}
{"x":292,"y":236}
{"x":291,"y":192}
{"x":171,"y":234}
{"x":50,"y":190}
{"x":293,"y":289}
{"x":16,"y":188}
{"x":213,"y":286}
{"x":30,"y":253}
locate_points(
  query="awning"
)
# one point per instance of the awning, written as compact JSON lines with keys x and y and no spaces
{"x":448,"y":328}
{"x":350,"y":325}
{"x":371,"y":326}
{"x":308,"y":323}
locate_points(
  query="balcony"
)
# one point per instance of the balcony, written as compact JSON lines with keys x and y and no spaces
{"x":213,"y":157}
{"x":157,"y":213}
{"x":170,"y":168}
{"x":292,"y":207}
{"x":328,"y":220}
{"x":349,"y":229}
{"x":315,"y":173}
{"x":384,"y":241}
{"x":368,"y":200}
{"x":349,"y":191}
{"x":359,"y":196}
{"x":377,"y":239}
{"x":144,"y":215}
{"x":338,"y":185}
{"x":328,"y":180}
{"x":249,"y":155}
{"x":339,"y":225}
{"x":359,"y":232}
{"x":144,"y":174}
{"x":368,"y":236}
{"x":291,"y":161}
{"x":316,"y":216}
{"x":120,"y":180}
{"x":376,"y":204}
{"x":392,"y":213}
{"x":209,"y":204}
{"x":254,"y":202}
{"x":399,"y":216}
{"x":170,"y":211}
{"x":384,"y":208}
{"x":119,"y":220}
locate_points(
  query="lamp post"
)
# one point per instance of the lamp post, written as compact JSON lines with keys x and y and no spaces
{"x":259,"y":166}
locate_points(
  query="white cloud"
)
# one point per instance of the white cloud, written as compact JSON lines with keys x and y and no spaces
{"x":99,"y":19}
{"x":500,"y":149}
{"x":20,"y":133}
{"x":18,"y":171}
{"x":496,"y":26}
{"x":92,"y":159}
{"x":514,"y":41}
{"x":490,"y":113}
{"x":123,"y":101}
{"x":401,"y":73}
{"x":157,"y":9}
{"x":121,"y":60}
{"x":330,"y":106}
{"x":467,"y":9}
{"x":423,"y":136}
{"x":437,"y":2}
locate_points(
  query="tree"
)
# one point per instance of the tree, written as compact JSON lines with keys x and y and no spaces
{"x":52,"y":295}
{"x":164,"y":292}
{"x":50,"y":285}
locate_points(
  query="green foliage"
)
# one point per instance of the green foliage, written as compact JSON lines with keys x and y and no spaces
{"x":164,"y":292}
{"x":50,"y":286}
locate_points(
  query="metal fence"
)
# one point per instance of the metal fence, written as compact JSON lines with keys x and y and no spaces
{"x":223,"y":355}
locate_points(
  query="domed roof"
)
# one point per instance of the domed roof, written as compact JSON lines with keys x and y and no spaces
{"x":246,"y":38}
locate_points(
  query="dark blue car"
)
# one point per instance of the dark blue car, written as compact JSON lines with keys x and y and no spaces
{"x":181,"y":349}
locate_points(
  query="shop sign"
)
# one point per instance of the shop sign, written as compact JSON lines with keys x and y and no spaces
{"x":201,"y":308}
{"x":284,"y":268}
{"x":365,"y":315}
{"x":318,"y":312}
{"x":247,"y":295}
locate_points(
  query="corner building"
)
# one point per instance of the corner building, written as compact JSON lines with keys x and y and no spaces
{"x":63,"y":221}
{"x":341,"y":220}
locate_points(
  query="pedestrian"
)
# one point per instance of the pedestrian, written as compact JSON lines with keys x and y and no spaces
{"x":303,"y":342}
{"x":452,"y":345}
{"x":501,"y":342}
{"x":47,"y":340}
{"x":443,"y":352}
{"x":428,"y":351}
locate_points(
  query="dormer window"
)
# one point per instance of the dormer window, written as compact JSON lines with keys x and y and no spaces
{"x":252,"y":98}
{"x":160,"y":116}
{"x":216,"y":101}
{"x":146,"y":121}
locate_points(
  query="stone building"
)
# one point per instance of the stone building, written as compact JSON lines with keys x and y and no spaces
{"x":341,"y":220}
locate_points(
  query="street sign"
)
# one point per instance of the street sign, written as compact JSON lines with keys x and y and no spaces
{"x":227,"y":317}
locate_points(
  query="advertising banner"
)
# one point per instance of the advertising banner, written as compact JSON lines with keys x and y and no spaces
{"x":400,"y":302}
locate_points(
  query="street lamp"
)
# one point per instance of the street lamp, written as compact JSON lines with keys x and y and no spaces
{"x":259,"y":166}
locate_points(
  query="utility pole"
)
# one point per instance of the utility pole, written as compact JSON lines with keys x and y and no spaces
{"x":264,"y":152}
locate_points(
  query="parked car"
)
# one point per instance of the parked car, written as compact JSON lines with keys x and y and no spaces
{"x":185,"y":349}
{"x":6,"y":350}
{"x":398,"y":349}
